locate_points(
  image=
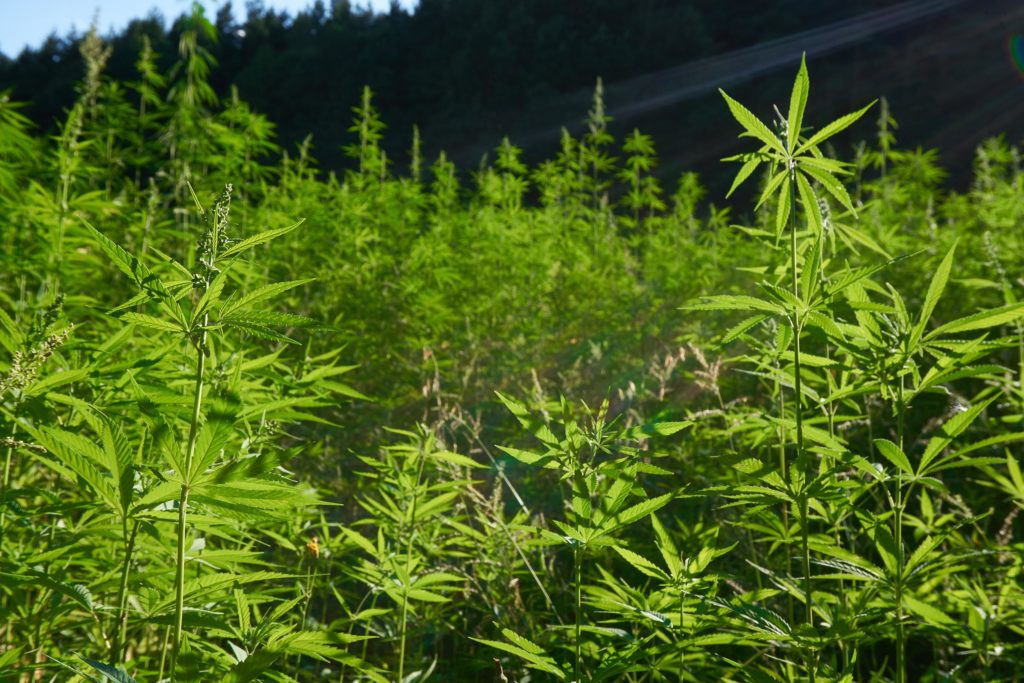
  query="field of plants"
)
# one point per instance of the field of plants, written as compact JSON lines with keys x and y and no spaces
{"x":523,"y":423}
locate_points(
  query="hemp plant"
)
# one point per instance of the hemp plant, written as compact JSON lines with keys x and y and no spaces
{"x":793,"y":161}
{"x":197,"y":309}
{"x":598,"y":461}
{"x":891,"y":349}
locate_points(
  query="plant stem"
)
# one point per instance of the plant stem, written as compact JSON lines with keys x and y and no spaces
{"x":122,"y":591}
{"x":682,"y":644}
{"x":408,"y":568}
{"x":6,"y":482}
{"x":577,"y":557}
{"x":801,"y":454}
{"x":901,"y":655}
{"x":193,"y":433}
{"x":1020,"y":363}
{"x":309,"y":591}
{"x":163,"y":652}
{"x":785,"y":477}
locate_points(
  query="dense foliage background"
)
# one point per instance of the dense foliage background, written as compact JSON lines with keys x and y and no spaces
{"x":262,"y":420}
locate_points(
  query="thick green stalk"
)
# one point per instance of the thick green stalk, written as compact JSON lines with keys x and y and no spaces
{"x":305,"y":604}
{"x":193,"y":433}
{"x":366,"y":642}
{"x":797,"y":327}
{"x":784,"y":467}
{"x":6,"y":482}
{"x":65,"y":191}
{"x":801,"y":453}
{"x":163,"y":652}
{"x":8,"y":630}
{"x":901,"y":655}
{"x":1020,"y":363}
{"x":67,"y":156}
{"x":577,"y":557}
{"x":682,"y":645}
{"x":122,"y":590}
{"x":403,"y":636}
{"x":309,"y":592}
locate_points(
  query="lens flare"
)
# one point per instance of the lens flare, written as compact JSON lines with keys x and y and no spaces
{"x":1017,"y":52}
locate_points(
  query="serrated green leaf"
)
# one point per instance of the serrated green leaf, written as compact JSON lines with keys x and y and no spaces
{"x":110,"y":673}
{"x":533,"y":654}
{"x":811,"y":207}
{"x":981,"y":320}
{"x":837,"y":126}
{"x":152,"y":322}
{"x":748,"y":167}
{"x":771,"y":187}
{"x":641,"y":563}
{"x":932,"y":616}
{"x":797,"y":104}
{"x":456,"y":459}
{"x":635,"y":512}
{"x":258,"y":295}
{"x":53,"y":380}
{"x":742,"y":328}
{"x":258,"y":239}
{"x":935,"y":289}
{"x":530,"y":458}
{"x":831,"y":185}
{"x":783,"y":208}
{"x":894,"y":455}
{"x":211,"y":296}
{"x":752,"y":124}
{"x":128,"y":264}
{"x":735,"y":302}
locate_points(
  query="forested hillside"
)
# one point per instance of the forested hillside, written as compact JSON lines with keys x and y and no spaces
{"x":467,"y":73}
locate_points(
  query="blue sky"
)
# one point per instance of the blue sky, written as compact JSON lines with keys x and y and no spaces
{"x":28,"y":22}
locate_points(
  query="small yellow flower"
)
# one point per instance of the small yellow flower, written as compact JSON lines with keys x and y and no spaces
{"x":314,"y":548}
